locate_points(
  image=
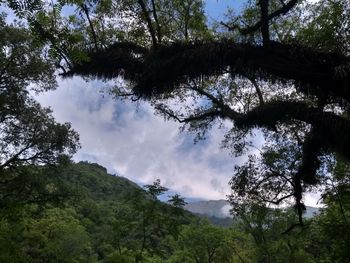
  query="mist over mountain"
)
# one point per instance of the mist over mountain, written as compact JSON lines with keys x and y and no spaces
{"x":220,"y":209}
{"x":212,"y":208}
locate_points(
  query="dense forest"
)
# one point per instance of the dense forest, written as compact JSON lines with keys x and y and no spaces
{"x":278,"y":67}
{"x":107,"y":218}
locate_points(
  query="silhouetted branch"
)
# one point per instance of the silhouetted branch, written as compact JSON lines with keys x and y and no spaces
{"x":149,"y":22}
{"x":212,"y":113}
{"x":264,"y":11}
{"x":282,"y":11}
{"x":278,"y":201}
{"x":164,"y":69}
{"x":94,"y":36}
{"x":155,"y":16}
{"x":257,"y":89}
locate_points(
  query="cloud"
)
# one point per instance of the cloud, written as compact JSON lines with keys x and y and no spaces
{"x":131,"y":141}
{"x":313,"y":199}
{"x":225,"y":211}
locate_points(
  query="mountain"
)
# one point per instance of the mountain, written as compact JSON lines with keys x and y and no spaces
{"x":108,"y":218}
{"x":93,"y":181}
{"x":211,"y":208}
{"x":311,"y":211}
{"x":96,"y":217}
{"x":218,"y":210}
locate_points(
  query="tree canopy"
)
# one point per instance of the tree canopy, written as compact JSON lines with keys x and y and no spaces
{"x":30,"y":137}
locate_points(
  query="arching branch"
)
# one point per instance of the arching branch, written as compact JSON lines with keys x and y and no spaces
{"x":331,"y":129}
{"x":164,"y":69}
{"x":120,"y":59}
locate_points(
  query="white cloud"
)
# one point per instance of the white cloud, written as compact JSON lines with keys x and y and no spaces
{"x":139,"y":145}
{"x":313,"y":199}
{"x":225,"y":210}
{"x":131,"y":141}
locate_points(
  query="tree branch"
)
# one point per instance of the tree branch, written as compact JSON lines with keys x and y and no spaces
{"x":149,"y":22}
{"x":155,"y":16}
{"x":282,"y":11}
{"x":278,"y":201}
{"x":227,"y":112}
{"x":15,"y":156}
{"x":264,"y":11}
{"x":257,"y":89}
{"x":164,"y":69}
{"x":86,"y":11}
{"x":211,"y":113}
{"x":291,"y":228}
{"x":333,"y":131}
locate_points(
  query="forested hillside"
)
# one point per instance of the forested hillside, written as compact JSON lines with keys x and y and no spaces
{"x":103,"y":217}
{"x":106,"y":218}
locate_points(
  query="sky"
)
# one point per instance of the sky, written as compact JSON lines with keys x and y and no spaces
{"x":215,"y":9}
{"x":130,"y":141}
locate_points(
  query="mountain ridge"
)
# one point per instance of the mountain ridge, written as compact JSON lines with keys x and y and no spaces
{"x":220,"y":209}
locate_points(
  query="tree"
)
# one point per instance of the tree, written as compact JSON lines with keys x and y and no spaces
{"x":204,"y":242}
{"x":142,"y":224}
{"x":266,"y":70}
{"x":329,"y":236}
{"x":57,"y":236}
{"x":201,"y":242}
{"x":29,"y":133}
{"x":53,"y":235}
{"x":30,"y":137}
{"x":267,"y":229}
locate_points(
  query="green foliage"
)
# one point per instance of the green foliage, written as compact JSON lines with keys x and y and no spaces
{"x":325,"y":27}
{"x":155,"y":189}
{"x":202,"y":242}
{"x":329,"y":235}
{"x":267,"y":228}
{"x":33,"y":145}
{"x":10,"y":241}
{"x":57,"y":236}
{"x":30,"y":137}
{"x":111,"y":219}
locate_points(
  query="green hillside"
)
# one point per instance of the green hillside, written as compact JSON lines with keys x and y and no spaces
{"x":92,"y":180}
{"x":103,"y":218}
{"x":109,"y":219}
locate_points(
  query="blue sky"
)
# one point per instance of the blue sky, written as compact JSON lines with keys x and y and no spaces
{"x":133,"y":142}
{"x":215,"y":9}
